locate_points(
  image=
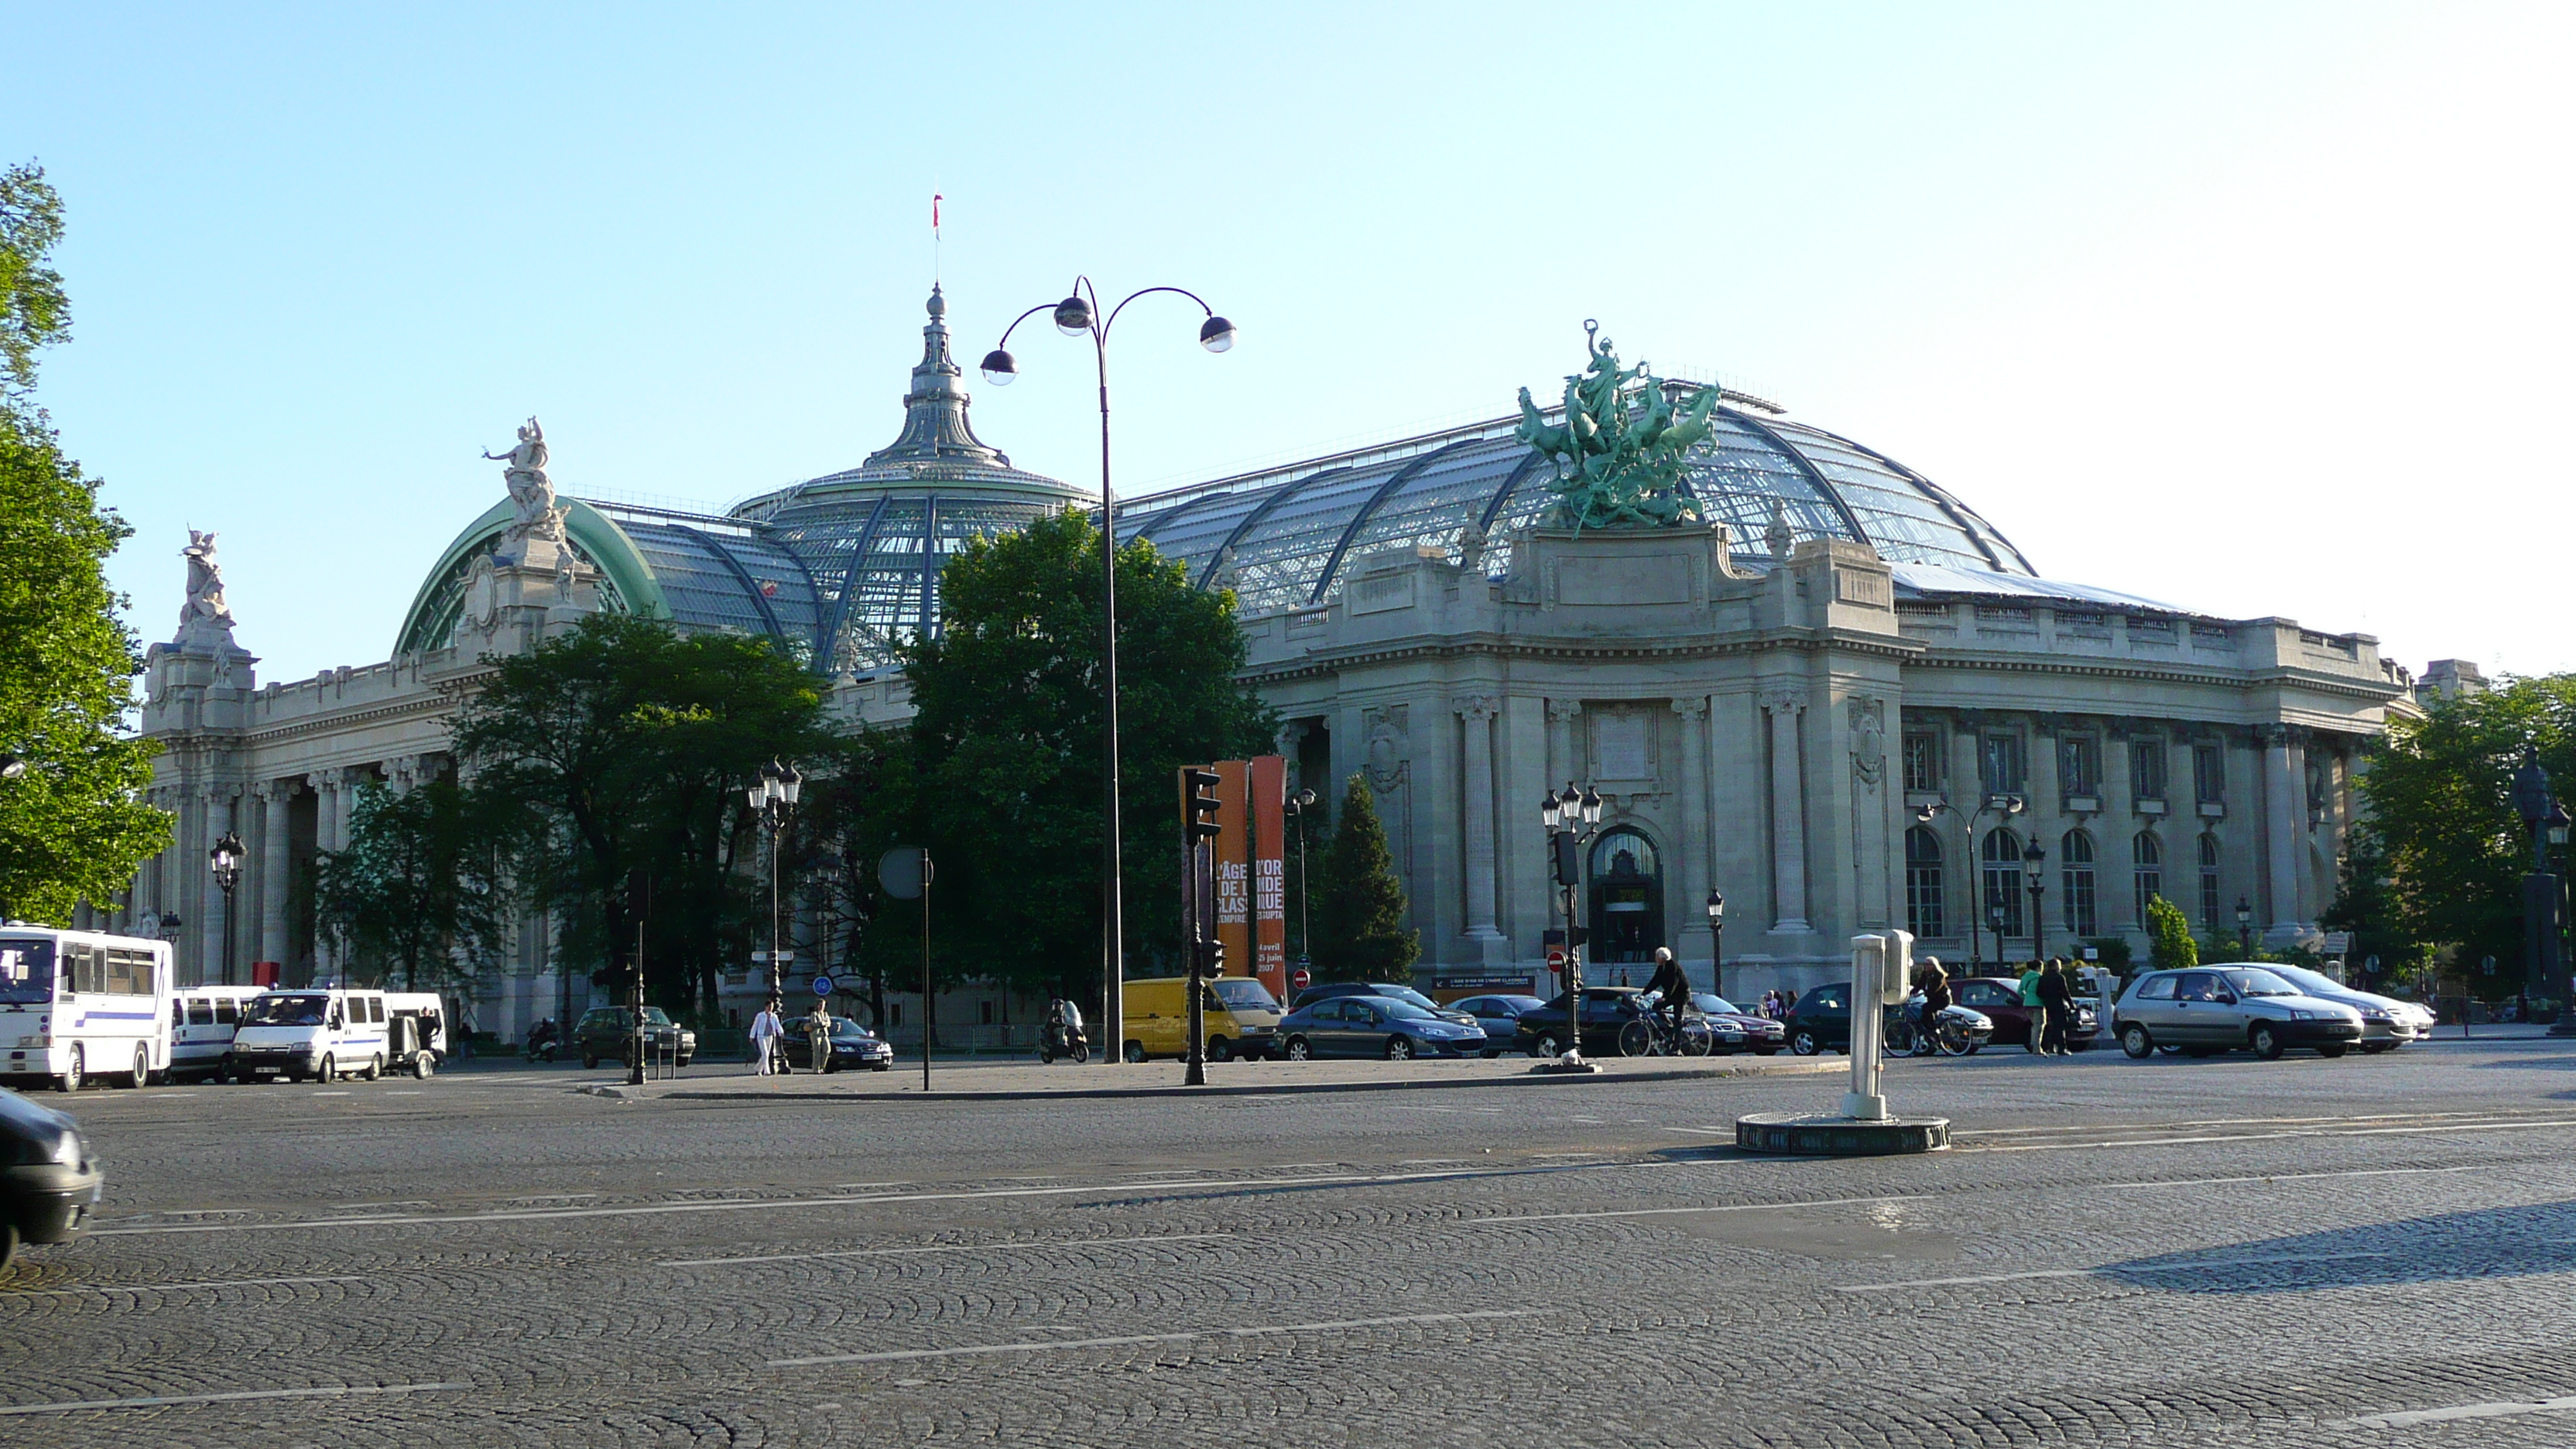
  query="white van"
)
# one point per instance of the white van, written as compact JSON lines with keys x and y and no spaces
{"x":318,"y":1032}
{"x":79,"y":1004}
{"x":202,"y":1022}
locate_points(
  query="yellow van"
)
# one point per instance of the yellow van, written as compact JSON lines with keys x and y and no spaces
{"x":1242,"y":1018}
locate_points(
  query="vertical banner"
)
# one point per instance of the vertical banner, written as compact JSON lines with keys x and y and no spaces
{"x":1270,"y":872}
{"x":1233,"y":866}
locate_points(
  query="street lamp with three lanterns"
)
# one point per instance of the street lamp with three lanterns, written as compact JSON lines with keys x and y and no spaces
{"x":2035,"y":880}
{"x":2244,"y":928}
{"x":1572,"y":817}
{"x":1298,"y":804}
{"x":226,"y":861}
{"x":1716,"y":941}
{"x":772,"y":798}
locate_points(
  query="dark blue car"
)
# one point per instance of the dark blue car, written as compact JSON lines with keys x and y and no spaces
{"x":1374,"y":1026}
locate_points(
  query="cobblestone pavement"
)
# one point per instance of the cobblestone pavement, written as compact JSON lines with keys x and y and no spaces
{"x":2367,"y":1252}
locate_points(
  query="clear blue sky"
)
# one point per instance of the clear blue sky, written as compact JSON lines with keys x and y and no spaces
{"x":2262,"y":309}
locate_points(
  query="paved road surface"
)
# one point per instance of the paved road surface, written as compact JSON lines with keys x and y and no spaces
{"x":2372,"y":1252}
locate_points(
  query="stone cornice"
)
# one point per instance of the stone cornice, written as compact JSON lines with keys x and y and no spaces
{"x":1807,"y":641}
{"x":2148,"y":670}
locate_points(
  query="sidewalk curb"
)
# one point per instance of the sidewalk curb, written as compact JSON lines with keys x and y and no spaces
{"x":1800,"y":1068}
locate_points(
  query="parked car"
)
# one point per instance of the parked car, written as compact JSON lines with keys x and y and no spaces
{"x":605,"y":1032}
{"x":2386,"y":1022}
{"x":1499,"y":1016}
{"x":1329,"y":989}
{"x":1999,"y":998}
{"x":1820,"y":1021}
{"x":1733,"y":1029}
{"x":48,"y":1181}
{"x":2205,"y":1010}
{"x":853,"y":1047}
{"x":1375,"y":1026}
{"x":1607,"y":1010}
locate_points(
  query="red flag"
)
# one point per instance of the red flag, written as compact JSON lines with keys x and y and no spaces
{"x":934,"y":214}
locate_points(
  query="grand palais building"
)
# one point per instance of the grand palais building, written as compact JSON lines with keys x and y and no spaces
{"x":1824,"y":700}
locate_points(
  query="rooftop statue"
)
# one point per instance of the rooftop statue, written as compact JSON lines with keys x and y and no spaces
{"x":1618,"y":454}
{"x":531,"y":491}
{"x":205,"y":584}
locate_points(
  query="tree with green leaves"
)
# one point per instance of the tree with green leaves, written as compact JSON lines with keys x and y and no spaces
{"x":861,"y":800}
{"x":1360,"y":934}
{"x":422,"y":895}
{"x":2169,"y":942}
{"x":1007,"y":742}
{"x":2442,"y":821}
{"x":73,"y":825}
{"x":626,"y":744}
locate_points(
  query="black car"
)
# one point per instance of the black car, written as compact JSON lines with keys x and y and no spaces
{"x":1327,"y":990}
{"x":1500,"y":1016}
{"x":48,"y":1181}
{"x":1606,"y":1011}
{"x":609,"y":1031}
{"x":1821,"y":1021}
{"x":853,"y":1047}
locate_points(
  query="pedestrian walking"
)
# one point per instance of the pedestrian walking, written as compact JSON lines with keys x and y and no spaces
{"x":766,"y":1029}
{"x":2056,"y":1008}
{"x":2030,"y":1004}
{"x":818,"y":1035}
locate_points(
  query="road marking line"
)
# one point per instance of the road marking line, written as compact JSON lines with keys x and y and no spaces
{"x":2490,"y":1126}
{"x":178,"y":1287}
{"x":330,"y":1094}
{"x":2500,"y":1410}
{"x":2301,"y":1176}
{"x":909,"y":1355}
{"x":1733,"y":1207}
{"x":162,"y":1400}
{"x":2197,"y":1267}
{"x":945,"y":1248}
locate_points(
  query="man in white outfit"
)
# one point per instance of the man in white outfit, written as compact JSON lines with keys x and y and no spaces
{"x":766,"y":1029}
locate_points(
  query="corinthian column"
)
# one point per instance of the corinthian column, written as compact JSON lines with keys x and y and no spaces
{"x":210,"y":917}
{"x":1699,"y":869}
{"x":1476,"y":820}
{"x":1562,"y":764}
{"x":1788,"y":816}
{"x":325,"y":785}
{"x":275,"y":863}
{"x":2283,"y":812}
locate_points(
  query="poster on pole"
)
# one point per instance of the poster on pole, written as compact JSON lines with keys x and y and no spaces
{"x":1270,"y":873}
{"x":1233,"y":866}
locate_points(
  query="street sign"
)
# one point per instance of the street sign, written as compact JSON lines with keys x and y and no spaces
{"x":762,"y":957}
{"x":1300,"y":979}
{"x":822,"y":986}
{"x":904,"y":871}
{"x":1556,"y":959}
{"x":2371,"y":965}
{"x":2338,"y":942}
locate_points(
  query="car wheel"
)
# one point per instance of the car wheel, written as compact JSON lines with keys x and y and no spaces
{"x":422,"y":1064}
{"x":2331,"y":1049}
{"x":2267,"y":1043}
{"x":76,"y":1071}
{"x":1219,"y":1049}
{"x":1546,"y":1046}
{"x":1804,"y":1043}
{"x":2135,"y":1041}
{"x":1399,"y":1049}
{"x":1135,"y":1051}
{"x":228,"y":1070}
{"x":375,"y":1068}
{"x":142,"y":1067}
{"x":589,"y":1063}
{"x":1299,"y":1050}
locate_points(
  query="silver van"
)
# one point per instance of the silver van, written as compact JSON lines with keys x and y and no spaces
{"x":2203,"y":1010}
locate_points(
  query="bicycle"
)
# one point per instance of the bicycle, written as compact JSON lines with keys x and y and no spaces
{"x":1652,"y":1034}
{"x":1909,"y":1036}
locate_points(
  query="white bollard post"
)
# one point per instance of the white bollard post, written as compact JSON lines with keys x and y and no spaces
{"x":1869,"y":971}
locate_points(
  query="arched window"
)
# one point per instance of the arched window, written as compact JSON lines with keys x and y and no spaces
{"x":2002,"y":854}
{"x":2147,"y":856}
{"x":1627,"y":897}
{"x":1923,"y":913}
{"x":2209,"y":882}
{"x":2075,"y":858}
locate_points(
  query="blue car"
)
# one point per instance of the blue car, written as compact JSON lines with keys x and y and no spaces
{"x":1374,"y":1026}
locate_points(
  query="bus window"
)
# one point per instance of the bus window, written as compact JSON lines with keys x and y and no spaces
{"x":371,"y":1008}
{"x":227,"y":1011}
{"x":26,"y":972}
{"x":201,"y":1012}
{"x":129,"y":973}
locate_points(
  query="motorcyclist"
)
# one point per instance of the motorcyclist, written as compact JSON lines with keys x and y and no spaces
{"x":1670,"y":986}
{"x":1064,"y":1024}
{"x":541,"y":1039}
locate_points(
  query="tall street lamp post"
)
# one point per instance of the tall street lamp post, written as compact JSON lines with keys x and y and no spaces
{"x":2004,"y":807}
{"x":226,"y":859}
{"x":1716,"y":942}
{"x":1079,"y":315}
{"x":2556,"y":824}
{"x":2035,"y":880}
{"x":1298,"y":805}
{"x":773,"y":798}
{"x":2541,"y":890}
{"x":2244,"y":929}
{"x":1571,"y":819}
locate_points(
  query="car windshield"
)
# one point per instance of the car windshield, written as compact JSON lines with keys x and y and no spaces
{"x":656,"y":1016}
{"x":2306,"y":980}
{"x":26,"y":970}
{"x":1409,"y":997}
{"x":1242,"y":993}
{"x":1715,"y":1005}
{"x":1402,"y":1010}
{"x":297,"y":1010}
{"x":2258,"y":983}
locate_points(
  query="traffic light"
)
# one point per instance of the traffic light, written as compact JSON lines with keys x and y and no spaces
{"x":1200,"y":787}
{"x":1569,"y":860}
{"x":1207,"y":958}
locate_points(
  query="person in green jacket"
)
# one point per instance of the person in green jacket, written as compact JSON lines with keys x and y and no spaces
{"x":2030,"y":999}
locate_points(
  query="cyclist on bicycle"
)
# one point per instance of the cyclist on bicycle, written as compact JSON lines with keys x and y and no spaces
{"x":1672,"y":985}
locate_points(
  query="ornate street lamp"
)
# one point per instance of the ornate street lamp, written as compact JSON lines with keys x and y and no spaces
{"x":2036,"y":880}
{"x":1078,"y":315}
{"x":2004,"y":807}
{"x":772,"y":799}
{"x":1571,"y":818}
{"x":1298,"y":805}
{"x":2244,"y":929}
{"x":1716,"y":942}
{"x":226,"y":859}
{"x":2556,"y":824}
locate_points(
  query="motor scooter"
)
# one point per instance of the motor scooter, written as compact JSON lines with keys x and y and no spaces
{"x":1059,"y":1040}
{"x":543,"y":1041}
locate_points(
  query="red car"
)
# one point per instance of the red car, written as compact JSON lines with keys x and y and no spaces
{"x":1999,"y":997}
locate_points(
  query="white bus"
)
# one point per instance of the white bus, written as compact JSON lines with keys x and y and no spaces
{"x":78,"y":1004}
{"x":202,"y":1022}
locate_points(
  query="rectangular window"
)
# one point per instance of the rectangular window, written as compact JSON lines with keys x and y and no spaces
{"x":2209,"y":897}
{"x":201,"y":1012}
{"x":988,"y":1006}
{"x":2208,"y":774}
{"x":2005,"y":765}
{"x":1923,"y":888}
{"x":1923,"y":765}
{"x":227,"y":1011}
{"x":2081,"y":916}
{"x":2147,"y":769}
{"x":2079,"y":765}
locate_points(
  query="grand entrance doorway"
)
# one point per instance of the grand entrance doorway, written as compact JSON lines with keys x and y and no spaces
{"x":1627,"y":900}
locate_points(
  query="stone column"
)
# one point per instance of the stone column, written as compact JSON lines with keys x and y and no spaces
{"x":276,"y":862}
{"x":2116,"y":851}
{"x":325,"y":785}
{"x":1698,"y":871}
{"x":219,"y":818}
{"x":1476,"y":789}
{"x":1562,"y":764}
{"x":2283,"y":817}
{"x":1788,"y":815}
